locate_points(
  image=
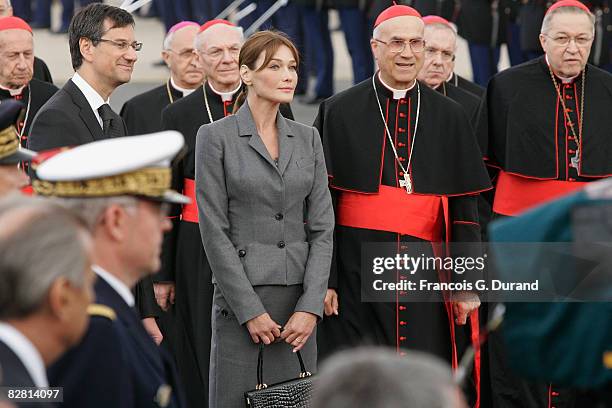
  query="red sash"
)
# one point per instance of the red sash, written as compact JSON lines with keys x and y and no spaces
{"x":515,"y":194}
{"x":190,"y":211}
{"x":393,"y":210}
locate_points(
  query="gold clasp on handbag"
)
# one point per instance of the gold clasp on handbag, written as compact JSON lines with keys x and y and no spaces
{"x":305,"y":374}
{"x":261,"y":386}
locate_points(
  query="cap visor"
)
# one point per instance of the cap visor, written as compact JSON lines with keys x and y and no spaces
{"x":172,"y":197}
{"x":19,"y":156}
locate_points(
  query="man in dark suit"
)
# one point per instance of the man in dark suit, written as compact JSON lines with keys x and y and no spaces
{"x":44,"y":298}
{"x":103,"y":52}
{"x":41,"y":70}
{"x":117,"y":364}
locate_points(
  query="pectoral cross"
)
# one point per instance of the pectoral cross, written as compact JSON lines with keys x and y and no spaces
{"x":406,"y":183}
{"x":575,"y":160}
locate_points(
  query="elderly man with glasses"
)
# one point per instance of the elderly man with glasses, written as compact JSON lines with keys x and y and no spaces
{"x":545,"y":132}
{"x":103,"y":51}
{"x":393,"y":144}
{"x":439,"y":62}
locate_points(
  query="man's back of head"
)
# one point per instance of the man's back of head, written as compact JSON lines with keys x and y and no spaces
{"x":46,"y":282}
{"x":379,"y":378}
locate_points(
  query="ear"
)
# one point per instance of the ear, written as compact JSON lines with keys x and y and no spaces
{"x":87,"y":48}
{"x":59,"y":298}
{"x":115,"y":222}
{"x":246,"y":75}
{"x":166,"y":57}
{"x":543,"y":39}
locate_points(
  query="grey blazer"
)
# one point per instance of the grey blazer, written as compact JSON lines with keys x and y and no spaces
{"x":252,"y":211}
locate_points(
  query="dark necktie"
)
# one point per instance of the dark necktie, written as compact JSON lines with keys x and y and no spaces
{"x":112,"y":125}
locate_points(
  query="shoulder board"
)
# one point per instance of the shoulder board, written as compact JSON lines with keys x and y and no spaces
{"x":101,"y":310}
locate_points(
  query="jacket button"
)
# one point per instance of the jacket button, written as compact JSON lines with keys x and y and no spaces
{"x":281,"y":244}
{"x":278,"y":217}
{"x":242,"y":253}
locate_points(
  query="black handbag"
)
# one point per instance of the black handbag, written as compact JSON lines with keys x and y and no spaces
{"x":294,"y":393}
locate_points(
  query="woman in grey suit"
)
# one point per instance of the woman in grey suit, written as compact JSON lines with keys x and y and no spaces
{"x":266,"y":221}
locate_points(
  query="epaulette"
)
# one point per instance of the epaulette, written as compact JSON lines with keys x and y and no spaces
{"x":101,"y":310}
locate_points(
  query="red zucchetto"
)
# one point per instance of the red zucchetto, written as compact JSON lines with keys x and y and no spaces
{"x":568,"y":3}
{"x":211,"y":23}
{"x":436,"y":20}
{"x":397,"y":10}
{"x":14,"y":23}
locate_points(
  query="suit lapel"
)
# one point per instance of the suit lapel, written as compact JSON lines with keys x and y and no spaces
{"x":246,"y":127}
{"x":86,"y":113}
{"x":285,"y":143}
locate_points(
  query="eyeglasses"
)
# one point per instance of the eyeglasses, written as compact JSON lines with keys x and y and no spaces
{"x":564,"y":40}
{"x":397,"y":46}
{"x":446,"y":56}
{"x":122,"y":45}
{"x":184,"y":55}
{"x":217,"y":53}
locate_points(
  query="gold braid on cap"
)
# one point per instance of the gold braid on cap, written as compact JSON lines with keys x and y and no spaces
{"x":9,"y":143}
{"x":151,"y":182}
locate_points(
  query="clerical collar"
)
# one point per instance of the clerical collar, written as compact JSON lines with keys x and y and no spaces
{"x":225,"y":96}
{"x":118,"y":286}
{"x":564,"y":80}
{"x":184,"y":91}
{"x":397,"y":93}
{"x":13,"y":92}
{"x":26,"y":352}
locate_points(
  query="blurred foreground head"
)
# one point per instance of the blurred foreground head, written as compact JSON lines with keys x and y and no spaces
{"x":46,"y":282}
{"x":375,"y":377}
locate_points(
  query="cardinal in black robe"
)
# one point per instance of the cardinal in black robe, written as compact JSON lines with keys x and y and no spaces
{"x":544,"y":131}
{"x":374,"y":203}
{"x":33,"y":96}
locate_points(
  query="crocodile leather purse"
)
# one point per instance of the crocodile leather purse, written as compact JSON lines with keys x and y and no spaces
{"x":294,"y":393}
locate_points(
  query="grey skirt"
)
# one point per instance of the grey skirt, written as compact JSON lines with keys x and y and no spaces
{"x":233,"y":355}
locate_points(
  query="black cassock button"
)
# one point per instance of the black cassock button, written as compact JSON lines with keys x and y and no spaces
{"x":242,"y":253}
{"x":281,"y":244}
{"x":278,"y":217}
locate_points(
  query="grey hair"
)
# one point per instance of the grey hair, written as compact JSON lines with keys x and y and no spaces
{"x":564,"y":10}
{"x":90,"y":210}
{"x":376,"y":377}
{"x":39,"y":243}
{"x":199,"y":39}
{"x":168,"y":40}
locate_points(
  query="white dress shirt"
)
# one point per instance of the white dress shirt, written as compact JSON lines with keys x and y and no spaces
{"x":26,"y":352}
{"x":93,"y":97}
{"x":184,"y":91}
{"x":397,"y":93}
{"x":225,"y":96}
{"x":118,"y":286}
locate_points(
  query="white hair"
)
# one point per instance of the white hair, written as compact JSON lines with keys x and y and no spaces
{"x":168,"y":40}
{"x":199,"y":39}
{"x":564,"y":10}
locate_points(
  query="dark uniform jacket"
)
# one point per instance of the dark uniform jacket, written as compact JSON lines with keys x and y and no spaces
{"x":116,"y":364}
